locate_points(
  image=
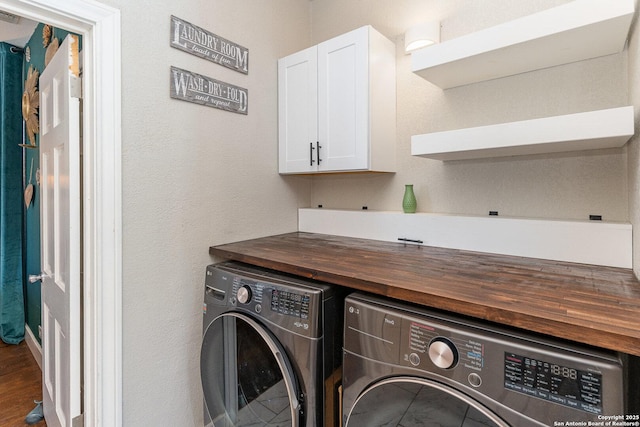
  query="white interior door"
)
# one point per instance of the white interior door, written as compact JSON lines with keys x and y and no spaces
{"x":60,"y":235}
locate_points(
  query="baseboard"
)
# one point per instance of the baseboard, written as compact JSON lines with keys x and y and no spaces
{"x":34,"y":346}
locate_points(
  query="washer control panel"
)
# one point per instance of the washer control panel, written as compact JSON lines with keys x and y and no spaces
{"x":244,"y":294}
{"x":289,"y":303}
{"x":280,"y":300}
{"x":247,"y":292}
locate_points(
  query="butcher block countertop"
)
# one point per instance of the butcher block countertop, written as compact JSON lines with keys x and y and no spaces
{"x":590,"y":304}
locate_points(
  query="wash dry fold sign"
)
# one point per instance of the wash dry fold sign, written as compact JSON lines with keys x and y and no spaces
{"x":192,"y":87}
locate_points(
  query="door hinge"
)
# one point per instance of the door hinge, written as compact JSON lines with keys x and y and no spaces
{"x":78,"y":421}
{"x":76,"y":87}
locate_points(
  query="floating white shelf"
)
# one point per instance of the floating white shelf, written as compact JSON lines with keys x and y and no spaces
{"x":579,"y":30}
{"x":592,"y":130}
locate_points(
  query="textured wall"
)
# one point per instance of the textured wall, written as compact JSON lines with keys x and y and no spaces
{"x":567,"y":186}
{"x":193,"y":177}
{"x":633,"y":148}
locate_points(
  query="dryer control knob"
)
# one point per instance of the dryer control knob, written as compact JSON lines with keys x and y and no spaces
{"x":443,"y":353}
{"x":244,"y":294}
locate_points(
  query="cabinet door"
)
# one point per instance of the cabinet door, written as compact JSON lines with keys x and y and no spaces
{"x":298,"y":112}
{"x":343,"y":99}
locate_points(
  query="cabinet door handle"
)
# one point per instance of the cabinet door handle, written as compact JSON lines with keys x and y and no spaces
{"x":318,"y":152}
{"x":311,"y":154}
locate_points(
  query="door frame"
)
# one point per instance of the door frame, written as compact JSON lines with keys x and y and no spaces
{"x":99,"y":26}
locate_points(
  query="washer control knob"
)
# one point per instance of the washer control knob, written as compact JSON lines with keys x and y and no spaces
{"x":244,"y":294}
{"x":443,"y":353}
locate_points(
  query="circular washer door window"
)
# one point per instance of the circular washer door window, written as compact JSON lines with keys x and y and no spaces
{"x":246,"y":378}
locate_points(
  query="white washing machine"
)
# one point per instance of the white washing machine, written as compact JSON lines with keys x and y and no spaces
{"x":408,"y":366}
{"x":271,"y":348}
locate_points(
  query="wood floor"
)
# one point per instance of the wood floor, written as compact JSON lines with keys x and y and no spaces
{"x":20,"y":384}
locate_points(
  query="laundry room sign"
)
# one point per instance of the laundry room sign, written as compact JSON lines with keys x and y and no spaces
{"x":192,"y":87}
{"x":199,"y":42}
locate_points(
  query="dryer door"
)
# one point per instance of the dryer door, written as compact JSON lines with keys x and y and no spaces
{"x":246,"y":377}
{"x":408,"y":402}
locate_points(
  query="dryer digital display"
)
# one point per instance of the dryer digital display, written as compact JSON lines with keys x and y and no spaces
{"x":560,"y":384}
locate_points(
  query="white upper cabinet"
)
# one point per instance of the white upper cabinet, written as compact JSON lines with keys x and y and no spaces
{"x":579,"y":30}
{"x":337,"y":105}
{"x":298,"y":111}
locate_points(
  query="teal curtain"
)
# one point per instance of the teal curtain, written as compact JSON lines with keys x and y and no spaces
{"x":11,"y":200}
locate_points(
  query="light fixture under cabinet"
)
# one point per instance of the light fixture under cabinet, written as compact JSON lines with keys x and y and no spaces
{"x":422,"y":35}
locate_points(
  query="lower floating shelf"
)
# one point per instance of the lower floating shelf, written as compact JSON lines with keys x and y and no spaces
{"x":592,"y":130}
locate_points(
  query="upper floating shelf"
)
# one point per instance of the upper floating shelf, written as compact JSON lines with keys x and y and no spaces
{"x":573,"y":132}
{"x":579,"y":30}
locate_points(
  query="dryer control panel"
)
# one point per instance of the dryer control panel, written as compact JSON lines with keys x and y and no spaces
{"x":565,"y":385}
{"x":541,"y":376}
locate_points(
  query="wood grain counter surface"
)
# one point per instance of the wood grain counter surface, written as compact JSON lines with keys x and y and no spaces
{"x":590,"y":304}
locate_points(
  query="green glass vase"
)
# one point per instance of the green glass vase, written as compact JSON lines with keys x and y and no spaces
{"x":409,"y":200}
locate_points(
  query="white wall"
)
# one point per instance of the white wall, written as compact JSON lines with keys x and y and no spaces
{"x":633,"y":147}
{"x":193,"y":177}
{"x":565,"y":186}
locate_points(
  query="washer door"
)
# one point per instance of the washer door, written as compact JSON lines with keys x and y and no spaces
{"x":408,"y":402}
{"x":246,"y":377}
